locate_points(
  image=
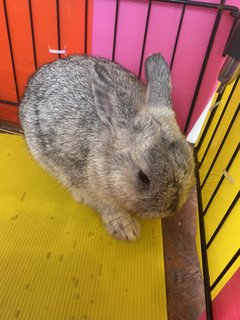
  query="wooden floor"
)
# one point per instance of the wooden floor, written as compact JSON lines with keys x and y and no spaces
{"x":185,"y":295}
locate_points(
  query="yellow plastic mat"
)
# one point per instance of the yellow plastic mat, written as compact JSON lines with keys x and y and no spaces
{"x":56,"y":259}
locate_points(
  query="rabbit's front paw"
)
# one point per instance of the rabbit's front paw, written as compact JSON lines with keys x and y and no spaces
{"x":122,"y":226}
{"x":80,"y":196}
{"x":77,"y":197}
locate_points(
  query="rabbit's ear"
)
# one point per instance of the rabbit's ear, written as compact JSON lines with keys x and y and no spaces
{"x":158,"y":82}
{"x":104,"y":102}
{"x":103,"y":74}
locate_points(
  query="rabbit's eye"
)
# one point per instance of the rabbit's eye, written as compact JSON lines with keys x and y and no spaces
{"x":143,"y":177}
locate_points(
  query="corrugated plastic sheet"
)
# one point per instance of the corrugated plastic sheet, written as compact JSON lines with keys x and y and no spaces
{"x":56,"y":259}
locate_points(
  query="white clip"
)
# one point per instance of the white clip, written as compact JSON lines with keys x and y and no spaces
{"x":215,"y":105}
{"x":54,"y":51}
{"x":228,"y":177}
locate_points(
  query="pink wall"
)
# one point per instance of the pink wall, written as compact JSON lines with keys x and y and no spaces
{"x":226,"y":306}
{"x":163,"y":25}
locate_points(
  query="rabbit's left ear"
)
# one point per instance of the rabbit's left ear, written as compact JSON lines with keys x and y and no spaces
{"x":103,"y":97}
{"x":104,"y":102}
{"x":159,"y":86}
{"x":103,"y":74}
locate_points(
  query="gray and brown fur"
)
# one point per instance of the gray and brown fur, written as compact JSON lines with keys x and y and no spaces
{"x":95,"y":126}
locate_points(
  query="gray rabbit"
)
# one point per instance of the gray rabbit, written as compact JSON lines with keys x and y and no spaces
{"x":111,"y":141}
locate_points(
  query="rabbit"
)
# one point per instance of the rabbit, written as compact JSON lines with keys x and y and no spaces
{"x":112,"y":141}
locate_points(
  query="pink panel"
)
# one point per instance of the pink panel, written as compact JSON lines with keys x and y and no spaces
{"x":233,"y":3}
{"x":103,"y":28}
{"x":226,"y":306}
{"x":162,"y":30}
{"x":194,"y":37}
{"x":130,"y":33}
{"x":210,"y":81}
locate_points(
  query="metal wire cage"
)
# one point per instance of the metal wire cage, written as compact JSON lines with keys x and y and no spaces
{"x":9,"y":102}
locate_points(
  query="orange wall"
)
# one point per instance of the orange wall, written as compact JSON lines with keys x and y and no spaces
{"x":32,"y":29}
